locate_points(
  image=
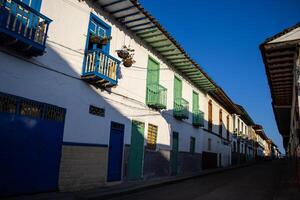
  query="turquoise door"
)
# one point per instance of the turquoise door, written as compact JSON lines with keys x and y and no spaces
{"x":136,"y":153}
{"x":174,"y":154}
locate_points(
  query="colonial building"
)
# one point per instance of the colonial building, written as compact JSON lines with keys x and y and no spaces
{"x":98,"y":92}
{"x":242,"y":143}
{"x":281,"y":58}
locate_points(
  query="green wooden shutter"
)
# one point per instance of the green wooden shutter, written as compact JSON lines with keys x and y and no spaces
{"x":192,"y":145}
{"x":152,"y":72}
{"x":174,"y":154}
{"x":136,"y":153}
{"x":195,"y":101}
{"x":177,"y":88}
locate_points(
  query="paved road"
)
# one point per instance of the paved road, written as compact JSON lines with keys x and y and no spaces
{"x":257,"y":182}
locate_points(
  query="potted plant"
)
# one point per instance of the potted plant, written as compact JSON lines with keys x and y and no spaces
{"x":127,"y":62}
{"x":104,"y":40}
{"x":124,"y":52}
{"x":95,"y":39}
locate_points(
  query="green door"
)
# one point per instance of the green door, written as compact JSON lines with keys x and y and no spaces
{"x":174,"y":154}
{"x":152,"y":72}
{"x":177,"y":88}
{"x":136,"y":152}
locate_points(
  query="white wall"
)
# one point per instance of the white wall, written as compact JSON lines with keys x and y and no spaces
{"x":66,"y":42}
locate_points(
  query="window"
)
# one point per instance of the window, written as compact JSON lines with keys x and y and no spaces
{"x":238,"y":128}
{"x":97,"y":29}
{"x":192,"y":144}
{"x":8,"y":104}
{"x":209,"y":144}
{"x":151,"y":137}
{"x":227,"y":127}
{"x":210,"y":115}
{"x":35,"y":4}
{"x":220,"y":122}
{"x":31,"y":109}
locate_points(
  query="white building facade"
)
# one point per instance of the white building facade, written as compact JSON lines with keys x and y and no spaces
{"x":66,"y":91}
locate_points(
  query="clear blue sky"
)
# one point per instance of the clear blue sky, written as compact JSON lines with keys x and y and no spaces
{"x":223,"y":36}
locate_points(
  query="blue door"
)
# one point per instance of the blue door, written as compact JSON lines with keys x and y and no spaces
{"x":30,"y":145}
{"x":115,"y":152}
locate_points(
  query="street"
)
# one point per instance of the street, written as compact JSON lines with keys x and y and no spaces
{"x":259,"y":181}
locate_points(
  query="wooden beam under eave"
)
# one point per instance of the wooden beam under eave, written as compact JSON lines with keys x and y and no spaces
{"x":285,"y":84}
{"x":276,"y":54}
{"x":281,"y":75}
{"x":281,"y":79}
{"x":283,"y":87}
{"x":281,"y":45}
{"x":281,"y":90}
{"x":281,"y":70}
{"x":280,"y":66}
{"x":280,"y":60}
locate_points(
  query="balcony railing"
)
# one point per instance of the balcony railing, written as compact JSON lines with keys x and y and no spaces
{"x":181,"y":108}
{"x":22,"y":27}
{"x":156,"y":96}
{"x":198,"y":118}
{"x":100,"y":68}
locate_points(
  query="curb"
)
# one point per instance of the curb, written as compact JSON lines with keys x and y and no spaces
{"x":135,"y":189}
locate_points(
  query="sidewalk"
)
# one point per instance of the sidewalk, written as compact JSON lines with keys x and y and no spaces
{"x":125,"y":188}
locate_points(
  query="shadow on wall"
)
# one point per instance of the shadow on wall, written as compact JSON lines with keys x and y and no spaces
{"x":89,"y":157}
{"x":209,"y":158}
{"x":92,"y":151}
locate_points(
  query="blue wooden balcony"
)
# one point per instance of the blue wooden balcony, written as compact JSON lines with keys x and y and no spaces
{"x":23,"y":28}
{"x":100,"y":68}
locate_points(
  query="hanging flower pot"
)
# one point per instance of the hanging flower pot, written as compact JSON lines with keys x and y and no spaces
{"x":105,"y":40}
{"x":122,"y":53}
{"x":127,"y":62}
{"x":125,"y":52}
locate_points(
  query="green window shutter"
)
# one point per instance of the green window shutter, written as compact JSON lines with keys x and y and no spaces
{"x":152,"y":72}
{"x":177,"y":88}
{"x":195,"y":101}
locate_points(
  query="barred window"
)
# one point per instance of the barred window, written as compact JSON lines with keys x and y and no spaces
{"x":8,"y":104}
{"x":31,"y":109}
{"x":55,"y":113}
{"x":151,"y":137}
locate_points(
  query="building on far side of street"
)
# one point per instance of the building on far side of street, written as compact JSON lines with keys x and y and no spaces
{"x":282,"y":61}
